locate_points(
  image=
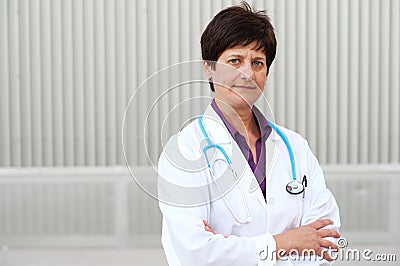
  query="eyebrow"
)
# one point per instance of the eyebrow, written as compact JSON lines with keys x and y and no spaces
{"x":241,"y":56}
{"x":236,"y":55}
{"x":260,"y":58}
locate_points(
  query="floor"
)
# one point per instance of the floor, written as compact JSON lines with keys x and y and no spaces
{"x":144,"y":257}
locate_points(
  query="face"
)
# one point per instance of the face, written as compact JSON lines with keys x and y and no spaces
{"x":239,"y":76}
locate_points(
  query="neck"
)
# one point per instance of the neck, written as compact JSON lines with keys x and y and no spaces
{"x":241,"y":119}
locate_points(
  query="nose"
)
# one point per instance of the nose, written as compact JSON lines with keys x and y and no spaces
{"x":247,"y":71}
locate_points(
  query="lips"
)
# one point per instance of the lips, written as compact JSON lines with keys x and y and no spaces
{"x":244,"y":87}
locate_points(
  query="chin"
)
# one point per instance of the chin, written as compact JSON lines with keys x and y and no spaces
{"x":240,"y":103}
{"x":238,"y":99}
{"x":245,"y":100}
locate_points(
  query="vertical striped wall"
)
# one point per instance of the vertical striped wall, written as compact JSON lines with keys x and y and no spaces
{"x":69,"y":67}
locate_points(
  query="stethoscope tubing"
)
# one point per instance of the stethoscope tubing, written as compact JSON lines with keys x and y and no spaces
{"x":289,"y":186}
{"x":288,"y":146}
{"x":273,"y":126}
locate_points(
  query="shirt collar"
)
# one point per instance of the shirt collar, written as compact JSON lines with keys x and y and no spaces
{"x":263,"y":124}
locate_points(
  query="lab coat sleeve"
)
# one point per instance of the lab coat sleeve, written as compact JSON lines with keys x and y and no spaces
{"x":319,"y":202}
{"x":186,"y":242}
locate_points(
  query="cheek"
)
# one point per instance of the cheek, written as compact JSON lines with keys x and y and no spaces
{"x":260,"y":81}
{"x":225,"y":75}
{"x":226,"y":79}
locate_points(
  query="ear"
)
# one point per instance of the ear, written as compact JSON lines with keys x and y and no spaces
{"x":207,"y":69}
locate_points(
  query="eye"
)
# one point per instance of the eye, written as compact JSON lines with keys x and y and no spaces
{"x":234,"y":61}
{"x":258,"y":64}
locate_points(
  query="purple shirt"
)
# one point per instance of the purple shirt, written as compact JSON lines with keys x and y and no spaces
{"x":259,"y":168}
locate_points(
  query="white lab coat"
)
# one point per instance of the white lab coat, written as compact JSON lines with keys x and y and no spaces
{"x":184,"y":238}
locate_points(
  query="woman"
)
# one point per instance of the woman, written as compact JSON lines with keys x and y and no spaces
{"x":222,"y":218}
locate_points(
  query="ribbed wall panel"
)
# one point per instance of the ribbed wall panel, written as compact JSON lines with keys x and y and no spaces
{"x":57,"y":208}
{"x":102,"y":206}
{"x":68,"y":69}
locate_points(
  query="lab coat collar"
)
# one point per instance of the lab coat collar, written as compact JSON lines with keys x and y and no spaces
{"x":215,"y":127}
{"x":219,"y":132}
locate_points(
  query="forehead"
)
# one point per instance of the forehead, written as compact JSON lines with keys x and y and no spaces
{"x":245,"y":50}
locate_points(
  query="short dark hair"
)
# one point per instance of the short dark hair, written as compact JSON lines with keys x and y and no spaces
{"x":238,"y":25}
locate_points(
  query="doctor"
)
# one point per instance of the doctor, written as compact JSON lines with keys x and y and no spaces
{"x":234,"y":188}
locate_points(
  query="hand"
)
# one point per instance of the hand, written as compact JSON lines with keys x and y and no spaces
{"x":208,"y":228}
{"x":307,"y":237}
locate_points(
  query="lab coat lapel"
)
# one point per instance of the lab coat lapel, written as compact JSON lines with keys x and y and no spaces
{"x":270,"y":155}
{"x":220,"y":134}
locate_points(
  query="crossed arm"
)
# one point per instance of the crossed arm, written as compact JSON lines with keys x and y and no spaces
{"x":306,"y":237}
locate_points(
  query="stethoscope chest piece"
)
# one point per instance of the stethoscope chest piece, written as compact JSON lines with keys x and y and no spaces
{"x":294,"y":187}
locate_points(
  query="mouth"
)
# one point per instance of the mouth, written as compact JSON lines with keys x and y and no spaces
{"x":244,"y":87}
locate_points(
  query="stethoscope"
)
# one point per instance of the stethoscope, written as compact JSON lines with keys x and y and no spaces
{"x":294,"y":187}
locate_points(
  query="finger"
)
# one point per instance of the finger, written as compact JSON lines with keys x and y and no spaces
{"x":328,"y":233}
{"x":328,"y":244}
{"x":326,"y":256}
{"x":321,"y":223}
{"x":212,"y":231}
{"x":208,"y":228}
